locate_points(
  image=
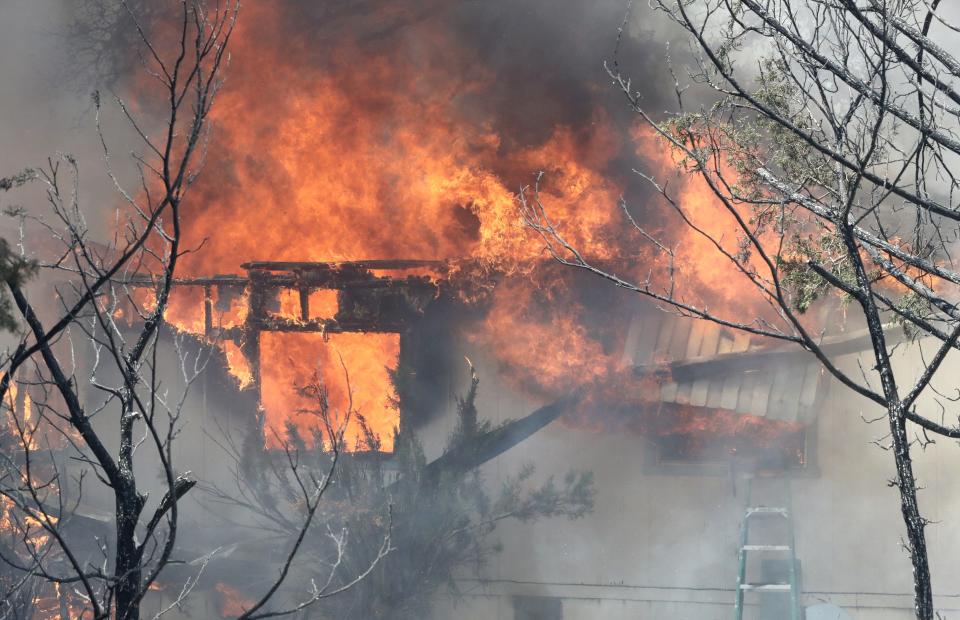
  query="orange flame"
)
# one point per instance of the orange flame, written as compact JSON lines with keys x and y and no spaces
{"x":232,"y":602}
{"x":382,"y":158}
{"x":349,"y":364}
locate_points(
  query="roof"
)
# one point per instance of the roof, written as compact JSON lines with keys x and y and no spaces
{"x":704,"y":364}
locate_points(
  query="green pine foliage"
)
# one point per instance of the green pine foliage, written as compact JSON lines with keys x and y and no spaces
{"x":14,"y":269}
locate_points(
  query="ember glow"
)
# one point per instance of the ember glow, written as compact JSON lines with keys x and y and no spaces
{"x":232,"y":602}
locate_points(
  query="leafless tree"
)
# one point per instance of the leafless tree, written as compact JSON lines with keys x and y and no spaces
{"x":829,"y":141}
{"x":124,"y":373}
{"x":83,"y":391}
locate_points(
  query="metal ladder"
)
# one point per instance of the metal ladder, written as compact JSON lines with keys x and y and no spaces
{"x":791,"y":585}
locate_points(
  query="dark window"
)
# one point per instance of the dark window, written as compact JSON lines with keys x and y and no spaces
{"x":787,"y":451}
{"x":537,"y":608}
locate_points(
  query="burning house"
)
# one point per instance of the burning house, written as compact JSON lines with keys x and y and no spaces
{"x":703,"y":411}
{"x":707,"y":413}
{"x":695,"y":413}
{"x":356,"y":233}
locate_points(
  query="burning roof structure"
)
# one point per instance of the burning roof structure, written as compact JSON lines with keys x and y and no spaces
{"x":735,"y":395}
{"x":323,"y":301}
{"x":700,"y":390}
{"x":717,"y":368}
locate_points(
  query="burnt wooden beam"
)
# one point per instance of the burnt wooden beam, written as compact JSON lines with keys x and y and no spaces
{"x":309,"y":280}
{"x":306,"y":278}
{"x":207,"y":310}
{"x":384,"y":265}
{"x":304,"y":293}
{"x":250,"y":344}
{"x":329,"y":326}
{"x":221,"y":280}
{"x":474,"y":453}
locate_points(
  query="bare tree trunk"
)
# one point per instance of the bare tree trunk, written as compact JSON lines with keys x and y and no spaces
{"x":189,"y":75}
{"x":129,"y":571}
{"x":914,"y":521}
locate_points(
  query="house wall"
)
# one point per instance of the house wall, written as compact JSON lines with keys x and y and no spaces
{"x":665,"y":545}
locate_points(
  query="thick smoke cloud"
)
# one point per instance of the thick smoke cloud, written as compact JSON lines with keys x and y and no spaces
{"x":40,"y":115}
{"x":53,"y":56}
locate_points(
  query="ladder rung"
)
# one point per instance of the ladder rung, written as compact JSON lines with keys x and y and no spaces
{"x":766,"y":510}
{"x":766,"y":547}
{"x":767,"y":587}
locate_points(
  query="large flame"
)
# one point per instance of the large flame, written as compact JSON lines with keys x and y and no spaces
{"x":327,"y":150}
{"x":376,"y":160}
{"x":354,"y":367}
